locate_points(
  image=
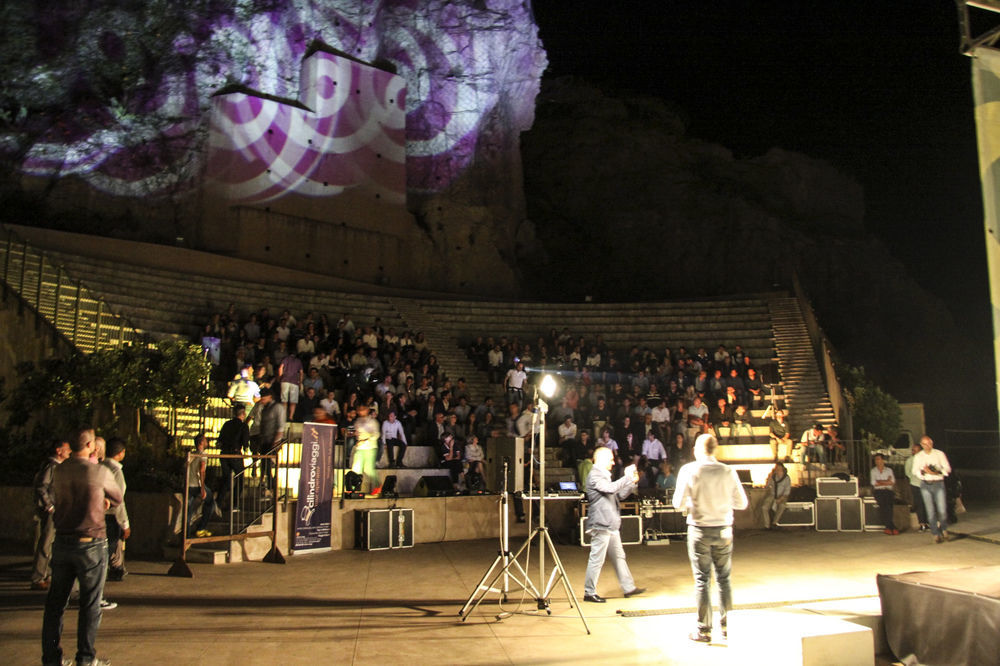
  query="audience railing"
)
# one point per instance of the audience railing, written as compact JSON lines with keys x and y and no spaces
{"x":250,"y":498}
{"x":82,"y":316}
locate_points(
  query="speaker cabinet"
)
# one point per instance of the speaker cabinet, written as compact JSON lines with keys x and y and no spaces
{"x":798,"y":514}
{"x":371,"y":529}
{"x":827,"y":514}
{"x":661,"y":520}
{"x":511,"y":449}
{"x":631,"y":531}
{"x":873,"y":518}
{"x":434,"y":486}
{"x":851,"y":516}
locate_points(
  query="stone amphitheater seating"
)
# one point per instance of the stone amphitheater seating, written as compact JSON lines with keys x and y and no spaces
{"x":161,"y":300}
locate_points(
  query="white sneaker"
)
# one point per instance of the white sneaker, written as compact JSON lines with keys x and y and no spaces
{"x":107,"y":605}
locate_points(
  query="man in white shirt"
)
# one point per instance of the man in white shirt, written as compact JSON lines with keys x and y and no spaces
{"x":653,"y":449}
{"x":708,"y":491}
{"x":883,"y":488}
{"x":932,"y":467}
{"x":513,"y":384}
{"x":661,"y":417}
{"x":697,"y":416}
{"x":394,"y":438}
{"x":812,"y":445}
{"x":567,"y":429}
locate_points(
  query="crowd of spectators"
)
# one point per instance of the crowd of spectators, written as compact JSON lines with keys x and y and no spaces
{"x":319,"y":371}
{"x":648,"y":408}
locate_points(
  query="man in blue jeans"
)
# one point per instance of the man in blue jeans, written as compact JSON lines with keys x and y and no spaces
{"x":932,"y":467}
{"x":708,"y":491}
{"x":83,"y":491}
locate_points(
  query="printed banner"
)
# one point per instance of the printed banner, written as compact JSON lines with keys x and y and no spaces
{"x":312,"y":519}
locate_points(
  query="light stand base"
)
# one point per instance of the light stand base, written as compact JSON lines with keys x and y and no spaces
{"x":542,"y":599}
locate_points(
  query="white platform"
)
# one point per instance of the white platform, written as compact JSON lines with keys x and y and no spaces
{"x":797,"y":636}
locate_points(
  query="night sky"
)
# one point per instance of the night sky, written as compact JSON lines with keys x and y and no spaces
{"x":879,"y":89}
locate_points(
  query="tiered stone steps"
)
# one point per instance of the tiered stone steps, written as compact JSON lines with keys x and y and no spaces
{"x":805,"y":392}
{"x":453,"y":360}
{"x":166,"y":303}
{"x":743,"y":320}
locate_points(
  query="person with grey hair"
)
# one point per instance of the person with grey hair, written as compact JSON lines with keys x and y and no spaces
{"x":708,"y":491}
{"x":604,"y":521}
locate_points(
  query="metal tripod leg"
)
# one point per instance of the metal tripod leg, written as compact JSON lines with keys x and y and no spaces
{"x":512,"y":563}
{"x":565,"y":579}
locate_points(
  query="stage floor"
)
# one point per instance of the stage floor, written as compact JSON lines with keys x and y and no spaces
{"x":353,"y":607}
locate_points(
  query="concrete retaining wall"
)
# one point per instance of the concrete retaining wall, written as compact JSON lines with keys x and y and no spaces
{"x":149,"y":513}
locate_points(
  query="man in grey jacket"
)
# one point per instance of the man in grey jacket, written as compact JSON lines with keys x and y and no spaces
{"x":604,"y":521}
{"x":45,"y":503}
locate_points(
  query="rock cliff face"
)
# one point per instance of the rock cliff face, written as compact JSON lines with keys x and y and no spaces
{"x":116,"y":95}
{"x":626,"y":205}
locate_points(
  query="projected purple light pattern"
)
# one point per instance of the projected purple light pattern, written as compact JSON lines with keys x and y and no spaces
{"x":147,"y":133}
{"x":351,"y":134}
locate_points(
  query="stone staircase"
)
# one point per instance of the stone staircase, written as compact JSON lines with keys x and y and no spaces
{"x":806,"y":398}
{"x":452,"y":358}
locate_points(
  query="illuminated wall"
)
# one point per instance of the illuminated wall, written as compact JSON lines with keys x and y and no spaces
{"x":107,"y":107}
{"x":346,"y":131}
{"x":120,"y":95}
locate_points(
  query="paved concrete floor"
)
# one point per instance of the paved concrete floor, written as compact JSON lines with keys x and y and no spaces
{"x":402,"y":606}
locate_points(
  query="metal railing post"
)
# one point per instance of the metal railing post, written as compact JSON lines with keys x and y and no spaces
{"x":55,"y":307}
{"x":24,"y":256}
{"x":76,"y":313}
{"x":232,"y":501}
{"x":97,"y":329}
{"x":6,"y":258}
{"x":38,"y":287}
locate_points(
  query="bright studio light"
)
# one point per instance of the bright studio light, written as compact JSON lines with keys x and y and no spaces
{"x":548,"y":386}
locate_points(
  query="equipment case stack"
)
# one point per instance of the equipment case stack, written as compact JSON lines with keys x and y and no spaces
{"x":383,"y":529}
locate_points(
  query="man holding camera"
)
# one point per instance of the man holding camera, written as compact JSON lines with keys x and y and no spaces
{"x":932,"y":466}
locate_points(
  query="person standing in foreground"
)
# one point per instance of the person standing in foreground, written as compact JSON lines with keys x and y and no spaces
{"x":118,"y":527}
{"x":603,"y":522}
{"x":708,"y":491}
{"x":44,"y":506}
{"x":932,"y":466}
{"x":915,"y":494}
{"x":83,"y":492}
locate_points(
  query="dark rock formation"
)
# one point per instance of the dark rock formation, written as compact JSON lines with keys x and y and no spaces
{"x":628,"y":206}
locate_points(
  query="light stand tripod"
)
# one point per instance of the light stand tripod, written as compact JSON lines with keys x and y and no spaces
{"x":541,"y":532}
{"x":503,"y":559}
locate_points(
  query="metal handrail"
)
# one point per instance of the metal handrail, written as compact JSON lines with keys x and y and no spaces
{"x":180,"y":566}
{"x":42,"y":289}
